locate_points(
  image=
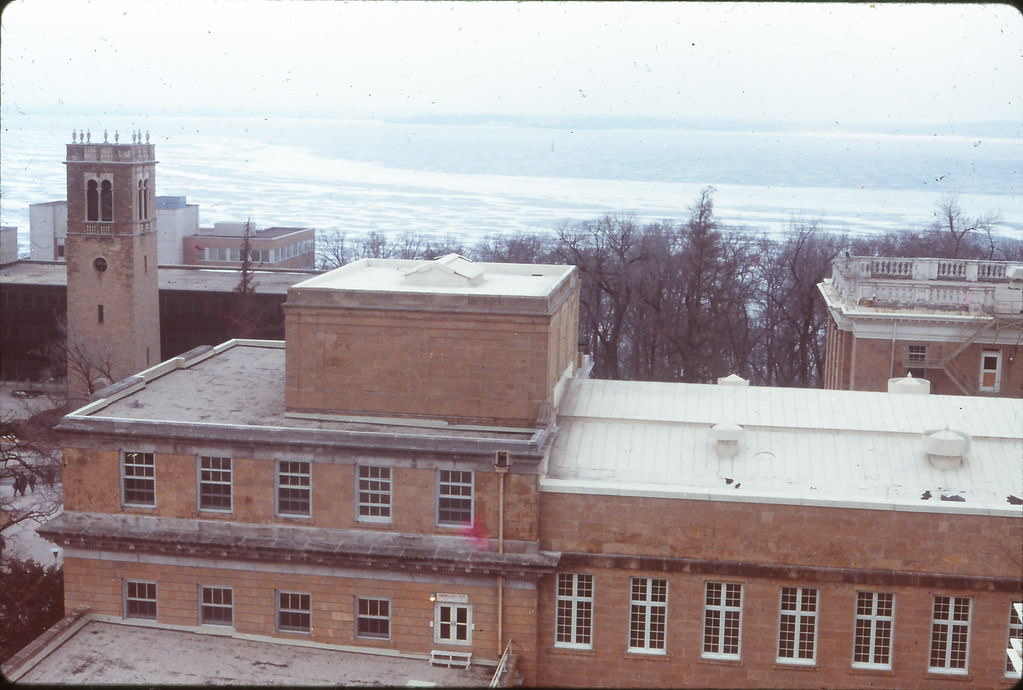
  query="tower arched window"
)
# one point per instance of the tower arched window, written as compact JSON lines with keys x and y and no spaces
{"x":106,"y":200}
{"x":92,"y":200}
{"x":143,"y":211}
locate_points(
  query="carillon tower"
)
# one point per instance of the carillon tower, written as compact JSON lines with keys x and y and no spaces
{"x":113,"y":303}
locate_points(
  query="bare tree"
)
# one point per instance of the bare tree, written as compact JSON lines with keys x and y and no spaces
{"x":334,"y":250}
{"x":84,"y":368}
{"x":30,"y":463}
{"x":955,"y":226}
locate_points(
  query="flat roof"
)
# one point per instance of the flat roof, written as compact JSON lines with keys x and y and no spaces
{"x":105,"y":652}
{"x":176,"y":278}
{"x":799,"y":446}
{"x":490,"y":279}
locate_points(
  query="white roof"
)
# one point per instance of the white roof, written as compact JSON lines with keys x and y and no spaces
{"x":800,"y":446}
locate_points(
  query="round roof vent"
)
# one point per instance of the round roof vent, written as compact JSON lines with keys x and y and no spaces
{"x":726,"y":438}
{"x":909,"y":385}
{"x":732,"y":380}
{"x":946,"y":449}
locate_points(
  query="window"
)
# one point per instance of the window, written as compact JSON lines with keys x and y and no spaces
{"x":138,"y":478}
{"x":374,"y":494}
{"x":214,"y":483}
{"x":217,"y":606}
{"x":293,"y":614}
{"x":373,"y":618}
{"x":140,"y":599}
{"x":950,"y":634}
{"x":648,"y":615}
{"x":143,"y":201}
{"x":454,"y":498}
{"x":99,"y":313}
{"x":106,"y":201}
{"x":875,"y":617}
{"x":991,"y":371}
{"x":574,"y":623}
{"x":1015,"y":644}
{"x":293,"y":492}
{"x":722,"y":620}
{"x":917,"y":353}
{"x":797,"y":626}
{"x":92,"y":200}
{"x":452,"y":623}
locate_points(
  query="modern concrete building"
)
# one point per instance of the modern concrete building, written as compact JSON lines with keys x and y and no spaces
{"x":422,"y":469}
{"x":956,"y":323}
{"x":8,"y":244}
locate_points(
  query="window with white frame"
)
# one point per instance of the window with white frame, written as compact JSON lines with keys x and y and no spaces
{"x":374,"y":494}
{"x":454,"y":497}
{"x":138,"y":478}
{"x":797,"y":625}
{"x":1014,"y":647}
{"x":216,"y":605}
{"x":293,"y":612}
{"x":991,"y":371}
{"x":648,"y":615}
{"x":139,"y":599}
{"x":294,"y":488}
{"x":950,"y":635}
{"x":214,"y":483}
{"x":916,"y":353}
{"x":722,"y":620}
{"x":452,"y":623}
{"x":574,"y":617}
{"x":875,"y":618}
{"x":373,"y":618}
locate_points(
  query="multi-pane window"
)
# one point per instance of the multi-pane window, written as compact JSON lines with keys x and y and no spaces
{"x":452,"y":623}
{"x":216,"y":606}
{"x":648,"y":614}
{"x":139,"y":599}
{"x":374,"y":490}
{"x":875,"y":618}
{"x":574,"y":625}
{"x":917,"y":353}
{"x":294,"y":495}
{"x":138,"y":478}
{"x":1014,"y":647}
{"x":797,"y":625}
{"x":950,"y":634}
{"x":293,"y":613}
{"x":214,"y":483}
{"x":373,"y":618}
{"x":454,"y":497}
{"x":722,"y":620}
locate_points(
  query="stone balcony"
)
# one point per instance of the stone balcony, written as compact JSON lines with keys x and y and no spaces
{"x":956,"y":285}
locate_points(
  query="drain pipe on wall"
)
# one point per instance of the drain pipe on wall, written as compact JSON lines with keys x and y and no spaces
{"x":501,"y":464}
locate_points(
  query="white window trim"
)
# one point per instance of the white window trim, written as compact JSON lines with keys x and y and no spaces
{"x":721,"y":608}
{"x":437,"y":623}
{"x":950,"y":622}
{"x":203,"y":604}
{"x":574,"y":600}
{"x":278,"y":610}
{"x":154,"y":600}
{"x":124,"y":477}
{"x":873,"y":619}
{"x":358,"y":616}
{"x":1015,"y":612}
{"x":199,"y":482}
{"x":649,"y":605}
{"x":471,"y":498}
{"x":359,"y":517}
{"x":277,"y":490}
{"x":800,"y":615}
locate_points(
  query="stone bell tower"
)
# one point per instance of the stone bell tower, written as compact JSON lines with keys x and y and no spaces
{"x":113,"y":293}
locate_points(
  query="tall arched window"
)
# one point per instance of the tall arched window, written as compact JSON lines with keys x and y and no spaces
{"x":92,"y":201}
{"x":142,"y":202}
{"x":145,"y":198}
{"x":106,"y":201}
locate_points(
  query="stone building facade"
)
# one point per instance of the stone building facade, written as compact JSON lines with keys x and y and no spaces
{"x":423,"y":468}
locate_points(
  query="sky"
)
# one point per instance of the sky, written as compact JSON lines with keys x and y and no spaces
{"x":800,"y":62}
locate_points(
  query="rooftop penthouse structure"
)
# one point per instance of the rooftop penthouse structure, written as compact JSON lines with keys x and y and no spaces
{"x":957,"y":323}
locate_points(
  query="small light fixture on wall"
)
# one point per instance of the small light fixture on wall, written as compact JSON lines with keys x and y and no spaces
{"x":433,"y":596}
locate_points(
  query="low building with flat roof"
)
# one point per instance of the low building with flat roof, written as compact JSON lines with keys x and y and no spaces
{"x":424,"y":470}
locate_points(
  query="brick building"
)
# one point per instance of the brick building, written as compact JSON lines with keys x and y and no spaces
{"x":422,"y":468}
{"x":277,"y":247}
{"x":955,"y":323}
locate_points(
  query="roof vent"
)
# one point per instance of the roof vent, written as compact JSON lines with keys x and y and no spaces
{"x":452,"y":270}
{"x":909,"y":385}
{"x":732,"y":380}
{"x":946,"y":449}
{"x":726,"y":437}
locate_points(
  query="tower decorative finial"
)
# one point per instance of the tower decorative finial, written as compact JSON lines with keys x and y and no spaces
{"x":116,"y":136}
{"x":105,"y":137}
{"x":133,"y":137}
{"x":88,"y":136}
{"x":74,"y":136}
{"x":147,"y":136}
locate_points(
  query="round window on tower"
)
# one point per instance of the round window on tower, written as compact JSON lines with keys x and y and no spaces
{"x":100,"y":264}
